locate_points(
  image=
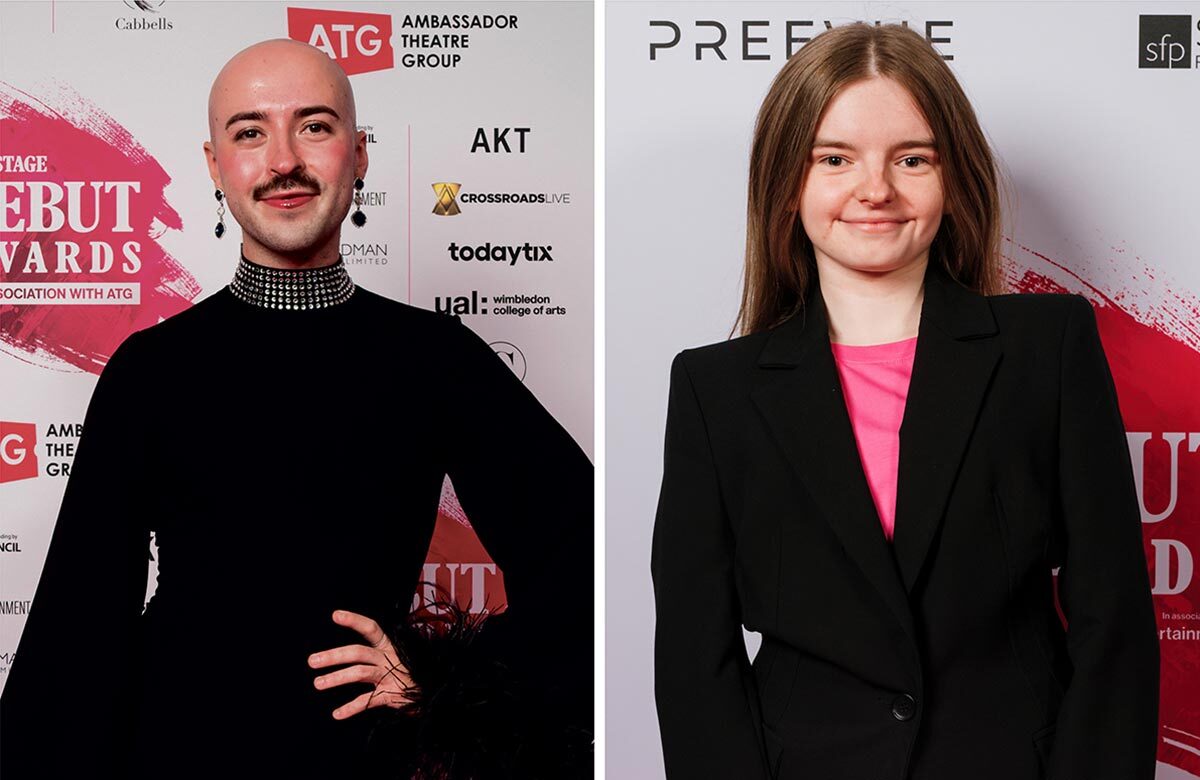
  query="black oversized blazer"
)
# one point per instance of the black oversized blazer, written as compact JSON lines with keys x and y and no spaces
{"x":937,"y":657}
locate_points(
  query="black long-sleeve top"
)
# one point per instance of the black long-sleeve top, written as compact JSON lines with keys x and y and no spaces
{"x":290,"y":464}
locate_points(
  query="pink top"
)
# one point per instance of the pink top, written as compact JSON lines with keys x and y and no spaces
{"x":875,"y":385}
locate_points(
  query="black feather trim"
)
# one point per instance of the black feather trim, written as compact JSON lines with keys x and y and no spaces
{"x":472,"y":716}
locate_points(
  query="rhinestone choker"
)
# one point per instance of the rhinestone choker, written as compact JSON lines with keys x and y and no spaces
{"x":292,"y":288}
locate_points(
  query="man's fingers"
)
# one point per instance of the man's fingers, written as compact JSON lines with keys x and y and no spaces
{"x":389,"y":699}
{"x":353,"y":707}
{"x":371,"y":699}
{"x":349,"y":654}
{"x":354,"y":674}
{"x":375,"y":665}
{"x":363,"y":625}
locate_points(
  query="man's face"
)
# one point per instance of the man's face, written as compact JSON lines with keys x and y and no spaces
{"x":284,"y":148}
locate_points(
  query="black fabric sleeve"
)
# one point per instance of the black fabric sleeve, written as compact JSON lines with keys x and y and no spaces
{"x":1108,"y":724}
{"x":519,"y":698}
{"x":703,"y":684}
{"x":68,"y":708}
{"x":527,"y":488}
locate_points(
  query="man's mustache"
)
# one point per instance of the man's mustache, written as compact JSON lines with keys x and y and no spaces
{"x":298,"y":180}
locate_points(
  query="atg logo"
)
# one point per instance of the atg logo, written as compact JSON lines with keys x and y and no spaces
{"x":359,"y":42}
{"x":18,"y":456}
{"x":1164,"y":41}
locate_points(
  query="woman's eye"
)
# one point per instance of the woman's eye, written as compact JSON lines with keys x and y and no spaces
{"x":918,"y":159}
{"x":834,"y":160}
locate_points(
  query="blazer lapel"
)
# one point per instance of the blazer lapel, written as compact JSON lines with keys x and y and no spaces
{"x":952,"y":369}
{"x":806,"y":412}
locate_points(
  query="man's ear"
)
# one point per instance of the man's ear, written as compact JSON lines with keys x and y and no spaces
{"x":210,"y":157}
{"x":360,"y":155}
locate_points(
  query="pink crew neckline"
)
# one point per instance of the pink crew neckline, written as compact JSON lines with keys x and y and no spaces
{"x":875,"y":353}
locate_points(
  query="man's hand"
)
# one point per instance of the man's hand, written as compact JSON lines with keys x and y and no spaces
{"x":375,"y":663}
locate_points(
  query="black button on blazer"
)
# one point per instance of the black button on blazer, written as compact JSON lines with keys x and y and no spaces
{"x":940,"y":656}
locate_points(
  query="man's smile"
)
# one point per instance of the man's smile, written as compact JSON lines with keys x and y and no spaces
{"x":288,"y":200}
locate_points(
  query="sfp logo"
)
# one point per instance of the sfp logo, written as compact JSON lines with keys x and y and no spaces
{"x":359,"y":42}
{"x":18,"y":456}
{"x":1164,"y":41}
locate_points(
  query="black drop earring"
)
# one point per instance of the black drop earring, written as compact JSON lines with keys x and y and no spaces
{"x":219,"y":230}
{"x":358,"y":217}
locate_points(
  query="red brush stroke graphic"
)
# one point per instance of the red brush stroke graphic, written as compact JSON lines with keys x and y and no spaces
{"x":84,"y":144}
{"x":1151,"y":336}
{"x":456,"y":558}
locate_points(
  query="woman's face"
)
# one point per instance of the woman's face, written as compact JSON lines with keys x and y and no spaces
{"x":871,"y":200}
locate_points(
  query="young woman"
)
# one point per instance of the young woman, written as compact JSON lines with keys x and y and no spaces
{"x":882,"y":473}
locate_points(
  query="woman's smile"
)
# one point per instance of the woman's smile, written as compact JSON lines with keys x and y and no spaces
{"x":876,"y":226}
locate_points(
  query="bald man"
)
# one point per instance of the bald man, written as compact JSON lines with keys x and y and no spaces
{"x":284,"y":151}
{"x":285,"y":439}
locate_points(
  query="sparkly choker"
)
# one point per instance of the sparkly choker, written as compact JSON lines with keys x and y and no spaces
{"x":292,"y":288}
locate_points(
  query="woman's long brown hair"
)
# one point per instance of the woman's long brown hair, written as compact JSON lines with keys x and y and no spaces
{"x":780,"y":264}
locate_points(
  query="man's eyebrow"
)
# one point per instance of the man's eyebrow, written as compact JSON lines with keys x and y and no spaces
{"x":920,"y":143}
{"x":310,"y":110}
{"x":259,"y":116}
{"x":245,"y":116}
